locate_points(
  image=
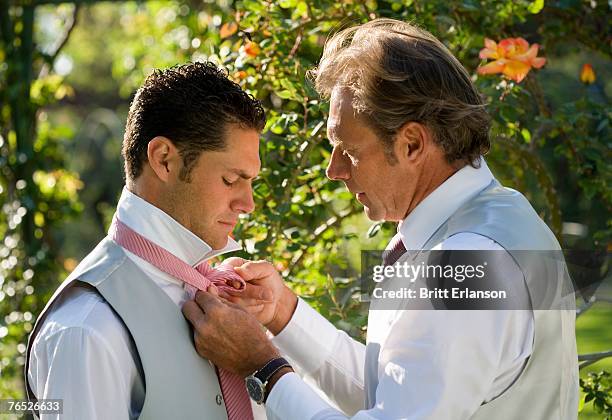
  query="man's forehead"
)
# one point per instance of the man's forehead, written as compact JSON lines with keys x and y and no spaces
{"x":341,"y":113}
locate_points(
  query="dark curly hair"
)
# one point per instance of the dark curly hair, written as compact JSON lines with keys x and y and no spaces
{"x":191,"y":105}
{"x":398,"y":72}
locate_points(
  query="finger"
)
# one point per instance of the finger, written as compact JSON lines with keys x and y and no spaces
{"x":193,"y":313}
{"x":255,"y":309}
{"x":235,"y":284}
{"x":238,"y":300}
{"x":252,"y":270}
{"x":254,"y":292}
{"x":213,"y":290}
{"x":235,"y":306}
{"x":234,"y":261}
{"x":207,"y":301}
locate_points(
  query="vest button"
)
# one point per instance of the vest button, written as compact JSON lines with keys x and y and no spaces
{"x":219,"y":399}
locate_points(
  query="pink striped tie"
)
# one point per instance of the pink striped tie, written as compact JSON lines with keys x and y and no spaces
{"x":237,"y":402}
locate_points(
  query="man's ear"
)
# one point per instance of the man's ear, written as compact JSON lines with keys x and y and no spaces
{"x":163,"y":158}
{"x":412,"y":141}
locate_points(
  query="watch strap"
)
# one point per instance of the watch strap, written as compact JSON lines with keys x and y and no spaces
{"x":265,"y":373}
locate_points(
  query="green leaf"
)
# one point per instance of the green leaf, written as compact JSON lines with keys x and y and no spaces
{"x":374,"y":229}
{"x":284,"y":94}
{"x":536,"y":7}
{"x":287,"y":4}
{"x":526,"y":135}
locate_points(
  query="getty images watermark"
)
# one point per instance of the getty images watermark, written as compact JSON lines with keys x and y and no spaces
{"x":515,"y":280}
{"x":410,"y":272}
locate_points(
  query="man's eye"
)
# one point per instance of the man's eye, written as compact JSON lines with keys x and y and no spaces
{"x":352,"y":158}
{"x":228,"y":183}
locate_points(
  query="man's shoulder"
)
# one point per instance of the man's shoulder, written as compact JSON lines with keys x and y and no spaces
{"x":83,"y":312}
{"x":468,"y":241}
{"x":100,"y":263}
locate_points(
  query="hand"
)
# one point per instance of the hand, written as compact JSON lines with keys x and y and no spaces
{"x":266,"y":296}
{"x":227,"y":335}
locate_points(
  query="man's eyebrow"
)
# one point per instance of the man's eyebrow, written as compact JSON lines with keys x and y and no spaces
{"x":332,"y":136}
{"x":242,"y":173}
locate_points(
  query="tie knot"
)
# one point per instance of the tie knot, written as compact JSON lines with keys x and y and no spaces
{"x":204,"y":269}
{"x":223,"y":276}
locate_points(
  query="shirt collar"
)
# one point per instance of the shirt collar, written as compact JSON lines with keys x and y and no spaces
{"x":157,"y":226}
{"x":440,"y":204}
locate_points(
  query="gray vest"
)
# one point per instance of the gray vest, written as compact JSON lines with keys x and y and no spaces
{"x":547,"y":388}
{"x":179,"y":383}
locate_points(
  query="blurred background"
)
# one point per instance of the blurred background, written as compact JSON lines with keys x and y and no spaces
{"x":68,"y":71}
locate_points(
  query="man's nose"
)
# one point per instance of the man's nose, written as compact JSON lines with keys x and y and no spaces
{"x":245,"y":202}
{"x":339,"y":166}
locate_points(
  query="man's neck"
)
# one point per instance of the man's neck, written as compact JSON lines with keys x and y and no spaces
{"x":429,"y":181}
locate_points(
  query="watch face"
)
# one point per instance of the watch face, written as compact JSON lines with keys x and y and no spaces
{"x":255,"y":389}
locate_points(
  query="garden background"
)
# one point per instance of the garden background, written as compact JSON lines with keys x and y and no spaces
{"x":68,"y":71}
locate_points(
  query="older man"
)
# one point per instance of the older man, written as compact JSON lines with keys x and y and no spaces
{"x":112,"y":342}
{"x":408,"y":129}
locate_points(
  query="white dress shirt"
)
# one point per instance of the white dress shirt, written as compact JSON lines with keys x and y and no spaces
{"x":431,"y":365}
{"x":84,"y":354}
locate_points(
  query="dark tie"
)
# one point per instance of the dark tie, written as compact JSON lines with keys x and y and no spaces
{"x":395,"y":251}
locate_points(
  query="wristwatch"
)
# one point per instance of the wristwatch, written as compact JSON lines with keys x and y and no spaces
{"x":256,"y":383}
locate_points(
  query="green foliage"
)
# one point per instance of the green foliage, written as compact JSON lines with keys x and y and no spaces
{"x":597,"y":388}
{"x":37,"y":193}
{"x":552,"y":146}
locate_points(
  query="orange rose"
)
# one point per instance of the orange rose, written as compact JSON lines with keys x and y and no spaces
{"x":228,"y":29}
{"x":252,"y":49}
{"x":513,"y":57}
{"x":239,"y":75}
{"x":587,"y":75}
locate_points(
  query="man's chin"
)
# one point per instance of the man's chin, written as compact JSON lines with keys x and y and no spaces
{"x":215,"y":243}
{"x":219,"y":244}
{"x":372,"y":215}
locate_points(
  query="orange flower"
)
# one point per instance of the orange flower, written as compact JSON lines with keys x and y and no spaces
{"x":252,"y":49}
{"x":587,"y":75}
{"x":513,"y":57}
{"x":228,"y":29}
{"x":239,"y":75}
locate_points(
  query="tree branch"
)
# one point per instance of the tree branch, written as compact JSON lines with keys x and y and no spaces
{"x":589,"y":359}
{"x":71,"y":24}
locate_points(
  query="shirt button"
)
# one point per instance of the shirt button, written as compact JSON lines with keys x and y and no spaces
{"x":219,"y":399}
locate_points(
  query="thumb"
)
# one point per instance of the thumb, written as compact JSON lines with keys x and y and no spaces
{"x":213,"y":290}
{"x":254,"y":270}
{"x":234,"y":261}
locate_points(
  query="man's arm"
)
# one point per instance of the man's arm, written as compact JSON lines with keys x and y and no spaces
{"x":442,"y":369}
{"x":326,"y":356}
{"x":76,"y":366}
{"x":435,"y":364}
{"x":83,"y":355}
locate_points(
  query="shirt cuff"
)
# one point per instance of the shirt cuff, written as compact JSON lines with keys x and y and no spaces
{"x":290,"y":396}
{"x":308,"y":339}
